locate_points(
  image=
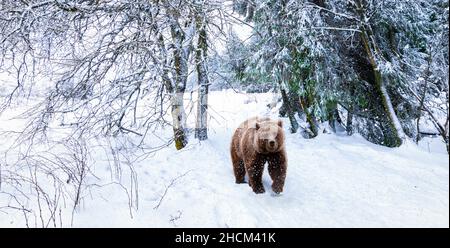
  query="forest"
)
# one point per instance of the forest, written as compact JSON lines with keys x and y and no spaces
{"x":129,"y":105}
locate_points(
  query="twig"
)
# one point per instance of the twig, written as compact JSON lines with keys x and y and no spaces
{"x":167,"y":188}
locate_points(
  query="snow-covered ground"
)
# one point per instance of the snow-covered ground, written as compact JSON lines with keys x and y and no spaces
{"x":332,"y":181}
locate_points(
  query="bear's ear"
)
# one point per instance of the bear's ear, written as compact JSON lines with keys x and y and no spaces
{"x":280,"y":123}
{"x":257,"y":126}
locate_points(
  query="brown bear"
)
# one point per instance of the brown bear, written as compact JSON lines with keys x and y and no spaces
{"x":255,"y":142}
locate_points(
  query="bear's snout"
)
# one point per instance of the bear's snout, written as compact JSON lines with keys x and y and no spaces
{"x":271,"y":145}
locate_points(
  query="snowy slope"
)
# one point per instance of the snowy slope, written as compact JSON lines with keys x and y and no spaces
{"x":332,"y":181}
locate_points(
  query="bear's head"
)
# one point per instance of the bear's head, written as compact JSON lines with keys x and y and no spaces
{"x":269,"y":136}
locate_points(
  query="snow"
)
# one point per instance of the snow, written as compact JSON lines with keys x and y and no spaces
{"x":332,"y":181}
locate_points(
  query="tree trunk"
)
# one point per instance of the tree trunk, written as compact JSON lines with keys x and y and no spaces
{"x":295,"y":104}
{"x":250,"y":11}
{"x":201,"y":129}
{"x":181,"y":53}
{"x":349,"y":125}
{"x":422,"y":96}
{"x":289,"y":112}
{"x":396,"y":136}
{"x":397,"y":131}
{"x":178,"y":119}
{"x":446,"y":141}
{"x":333,"y":115}
{"x":310,"y":117}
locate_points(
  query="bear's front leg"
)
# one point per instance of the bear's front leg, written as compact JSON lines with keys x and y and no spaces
{"x":238,"y":166}
{"x":277,"y":170}
{"x":255,"y":172}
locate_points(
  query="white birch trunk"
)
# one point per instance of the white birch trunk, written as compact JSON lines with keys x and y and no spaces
{"x":201,"y":129}
{"x":181,"y":52}
{"x":178,"y":120}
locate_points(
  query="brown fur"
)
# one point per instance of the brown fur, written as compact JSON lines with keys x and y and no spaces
{"x":255,"y":142}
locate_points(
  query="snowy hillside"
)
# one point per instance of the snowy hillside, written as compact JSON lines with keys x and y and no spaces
{"x":332,"y":181}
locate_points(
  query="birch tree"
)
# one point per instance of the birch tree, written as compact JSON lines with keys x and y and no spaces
{"x":201,"y":131}
{"x":114,"y":52}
